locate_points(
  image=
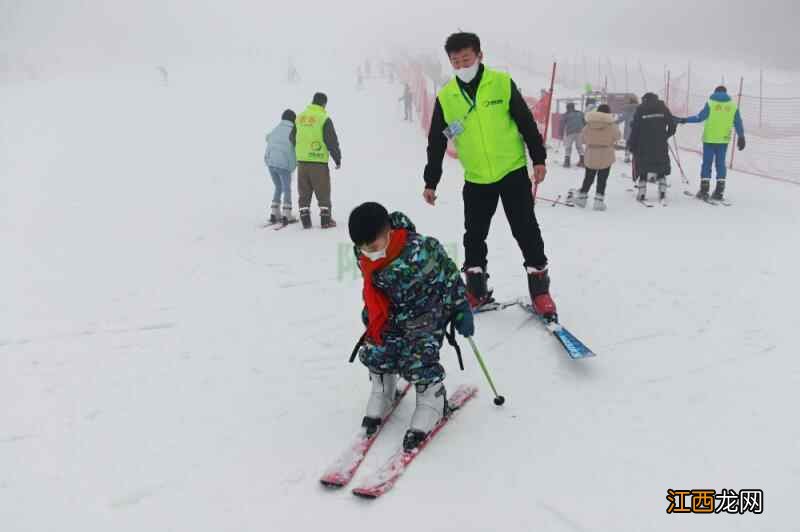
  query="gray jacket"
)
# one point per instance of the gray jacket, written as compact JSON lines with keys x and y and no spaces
{"x":280,"y":150}
{"x":572,"y":122}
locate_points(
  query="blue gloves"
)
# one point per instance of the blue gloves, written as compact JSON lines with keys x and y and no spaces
{"x":464,"y":321}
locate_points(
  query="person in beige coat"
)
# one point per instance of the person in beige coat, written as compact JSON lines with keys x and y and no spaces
{"x":599,"y":136}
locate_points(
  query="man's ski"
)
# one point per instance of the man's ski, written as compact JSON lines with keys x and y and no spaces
{"x":704,"y":200}
{"x":574,"y":347}
{"x":385,"y":477}
{"x":282,"y":225}
{"x":493,"y":305}
{"x":645,"y":203}
{"x":344,"y":468}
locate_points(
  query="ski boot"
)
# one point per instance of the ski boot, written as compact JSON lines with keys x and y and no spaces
{"x":381,"y":400}
{"x":599,"y":202}
{"x":662,"y":189}
{"x":539,"y":289}
{"x":641,"y":189}
{"x":719,"y":190}
{"x":326,"y":221}
{"x":581,"y":162}
{"x":275,"y":213}
{"x":567,"y":162}
{"x":705,"y":185}
{"x":431,"y":408}
{"x":305,"y":217}
{"x":286,"y":215}
{"x":477,"y":292}
{"x":580,"y":199}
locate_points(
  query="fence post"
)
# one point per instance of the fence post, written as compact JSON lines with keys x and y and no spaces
{"x":761,"y":98}
{"x":669,"y":77}
{"x":739,"y":104}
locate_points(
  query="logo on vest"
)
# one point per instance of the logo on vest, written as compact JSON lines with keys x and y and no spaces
{"x":488,"y":103}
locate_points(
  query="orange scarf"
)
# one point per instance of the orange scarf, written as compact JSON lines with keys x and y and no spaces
{"x":377,"y":302}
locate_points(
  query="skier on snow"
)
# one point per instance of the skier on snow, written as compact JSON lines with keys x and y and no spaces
{"x":652,"y":126}
{"x":484,"y":113}
{"x":281,"y":162}
{"x":412,"y":291}
{"x":572,"y":123}
{"x":315,"y":142}
{"x":721,"y":115}
{"x":600,"y":135}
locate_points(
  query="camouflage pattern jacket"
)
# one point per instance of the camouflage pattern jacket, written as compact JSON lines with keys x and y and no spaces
{"x":423,"y":284}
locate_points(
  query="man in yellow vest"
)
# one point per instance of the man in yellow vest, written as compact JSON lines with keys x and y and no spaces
{"x":721,"y":115}
{"x":484,"y":114}
{"x":315,"y":143}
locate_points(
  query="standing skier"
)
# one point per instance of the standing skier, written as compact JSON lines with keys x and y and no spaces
{"x":408,"y":99}
{"x":600,"y":135}
{"x":721,"y":115}
{"x":281,"y":162}
{"x":652,"y":126}
{"x":484,"y":113}
{"x":412,"y":291}
{"x":572,"y":123}
{"x":315,"y":142}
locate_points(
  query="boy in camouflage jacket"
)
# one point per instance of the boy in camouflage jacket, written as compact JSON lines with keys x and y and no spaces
{"x":412,"y":291}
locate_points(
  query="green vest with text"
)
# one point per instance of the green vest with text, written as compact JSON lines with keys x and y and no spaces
{"x":309,"y":143}
{"x":719,"y":122}
{"x":490,"y":147}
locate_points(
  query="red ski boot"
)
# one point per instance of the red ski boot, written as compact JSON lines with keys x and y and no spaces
{"x":477,"y":292}
{"x":539,"y":289}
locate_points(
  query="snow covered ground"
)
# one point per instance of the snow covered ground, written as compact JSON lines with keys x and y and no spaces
{"x":168,"y":364}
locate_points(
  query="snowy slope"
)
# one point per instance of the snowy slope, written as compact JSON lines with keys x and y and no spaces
{"x":167,"y":364}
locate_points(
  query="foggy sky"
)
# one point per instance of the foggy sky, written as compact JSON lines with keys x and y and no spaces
{"x":149,"y":29}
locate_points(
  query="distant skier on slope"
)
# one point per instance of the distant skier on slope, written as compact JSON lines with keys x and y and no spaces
{"x":721,"y":115}
{"x":412,"y":291}
{"x":484,"y":113}
{"x":408,"y":99}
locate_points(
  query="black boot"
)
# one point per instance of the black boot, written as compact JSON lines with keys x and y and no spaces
{"x":705,"y":185}
{"x":719,"y":190}
{"x":567,"y":163}
{"x":325,"y":218}
{"x":581,"y":162}
{"x":477,"y":290}
{"x":305,"y":217}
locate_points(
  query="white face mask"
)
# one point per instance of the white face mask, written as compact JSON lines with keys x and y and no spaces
{"x":377,"y":255}
{"x":468,"y":74}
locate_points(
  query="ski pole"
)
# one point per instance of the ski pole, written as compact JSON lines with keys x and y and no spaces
{"x":498,"y":399}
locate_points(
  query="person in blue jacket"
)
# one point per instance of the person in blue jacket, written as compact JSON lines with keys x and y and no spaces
{"x":721,"y":115}
{"x":281,"y":161}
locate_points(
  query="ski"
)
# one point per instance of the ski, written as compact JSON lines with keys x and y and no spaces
{"x":644,"y":203}
{"x":704,"y":200}
{"x":574,"y":347}
{"x":284,"y":225}
{"x":384,"y":478}
{"x":493,"y":305}
{"x":342,"y":471}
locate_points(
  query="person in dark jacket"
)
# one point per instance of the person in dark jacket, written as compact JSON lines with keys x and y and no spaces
{"x":315,"y":143}
{"x":652,"y":126}
{"x":572,"y":123}
{"x":412,"y":291}
{"x":483,"y":112}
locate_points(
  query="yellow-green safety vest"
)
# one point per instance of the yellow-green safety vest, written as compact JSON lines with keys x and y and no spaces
{"x":719,"y":122}
{"x":490,"y":147}
{"x":309,"y":142}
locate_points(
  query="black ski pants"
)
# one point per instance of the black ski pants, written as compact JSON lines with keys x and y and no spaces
{"x":480,"y":204}
{"x":602,"y":179}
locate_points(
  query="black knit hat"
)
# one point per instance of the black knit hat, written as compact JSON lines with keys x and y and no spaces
{"x":288,"y":115}
{"x":721,"y":88}
{"x":320,"y":98}
{"x":367,"y":222}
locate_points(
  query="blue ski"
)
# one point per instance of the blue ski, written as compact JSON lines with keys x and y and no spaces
{"x":574,"y":347}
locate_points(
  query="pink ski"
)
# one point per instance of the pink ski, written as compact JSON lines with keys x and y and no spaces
{"x":383,"y":479}
{"x":344,"y":468}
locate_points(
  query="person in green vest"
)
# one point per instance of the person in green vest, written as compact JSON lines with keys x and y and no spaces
{"x":315,"y":141}
{"x":721,"y":115}
{"x":483,"y":113}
